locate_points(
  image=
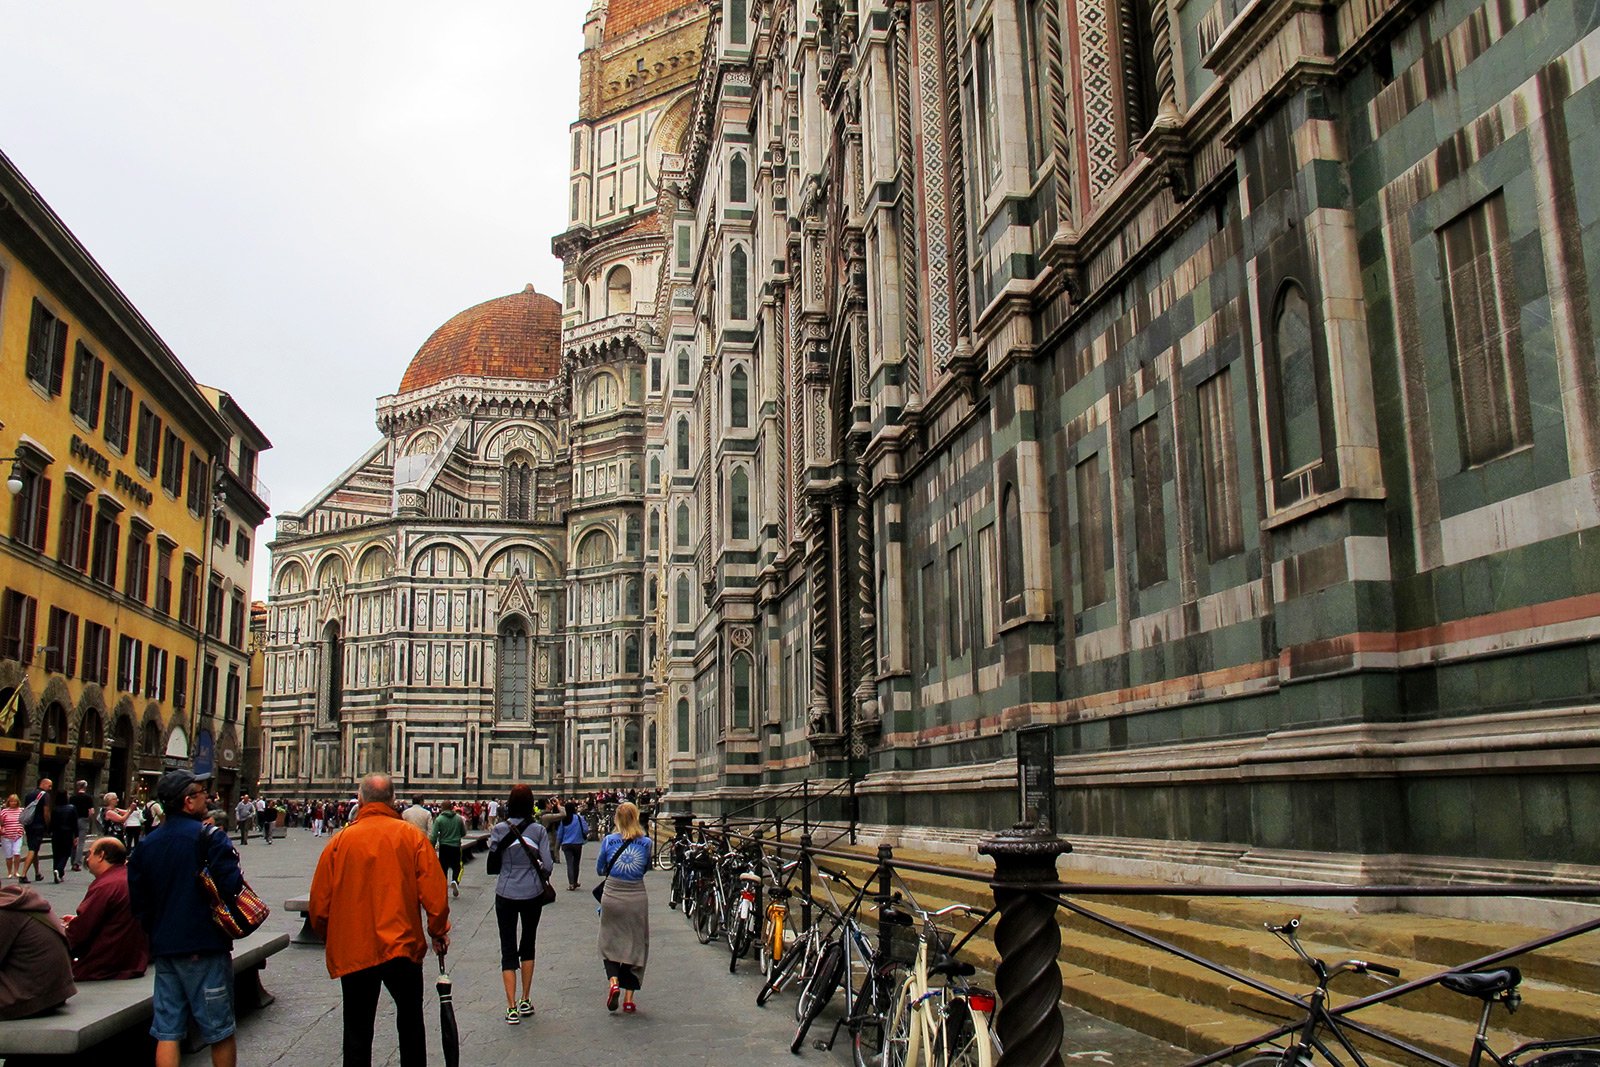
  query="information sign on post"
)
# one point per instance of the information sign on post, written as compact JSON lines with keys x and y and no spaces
{"x":1036,"y":775}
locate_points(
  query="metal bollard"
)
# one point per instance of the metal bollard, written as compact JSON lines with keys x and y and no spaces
{"x":805,"y":880}
{"x":1028,"y":977}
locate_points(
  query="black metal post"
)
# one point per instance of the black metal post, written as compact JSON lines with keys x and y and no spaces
{"x":722,"y":825}
{"x":885,"y":874}
{"x":805,"y":879}
{"x":805,"y":807}
{"x":1028,"y":977}
{"x":761,"y":884}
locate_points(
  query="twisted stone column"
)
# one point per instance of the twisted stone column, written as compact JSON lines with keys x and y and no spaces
{"x":1028,"y":977}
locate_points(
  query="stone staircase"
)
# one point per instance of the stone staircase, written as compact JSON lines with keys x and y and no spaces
{"x":1155,"y":992}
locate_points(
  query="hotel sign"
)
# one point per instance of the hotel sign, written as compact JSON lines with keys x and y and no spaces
{"x":100,"y":463}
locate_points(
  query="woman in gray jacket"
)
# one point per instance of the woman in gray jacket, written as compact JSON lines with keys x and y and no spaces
{"x":525,"y":865}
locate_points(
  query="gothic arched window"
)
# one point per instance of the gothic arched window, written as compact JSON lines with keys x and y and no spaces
{"x":742,"y":691}
{"x":683,"y":526}
{"x":332,"y":673}
{"x":516,"y":486}
{"x":738,"y":181}
{"x":681,"y":595}
{"x":739,"y":397}
{"x":619,"y":291}
{"x":683,"y":368}
{"x":739,"y":505}
{"x":655,"y":474}
{"x":1011,"y":580}
{"x":630,"y":654}
{"x":1295,"y":370}
{"x":655,"y":531}
{"x":683,"y":724}
{"x":683,"y":444}
{"x":739,"y":283}
{"x":512,"y":659}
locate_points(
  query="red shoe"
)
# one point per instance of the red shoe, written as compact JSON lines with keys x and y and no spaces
{"x":614,"y":995}
{"x":629,"y":1008}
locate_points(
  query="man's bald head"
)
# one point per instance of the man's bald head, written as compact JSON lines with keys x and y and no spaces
{"x":377,"y":788}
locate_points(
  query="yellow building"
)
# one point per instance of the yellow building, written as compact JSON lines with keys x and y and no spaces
{"x":110,"y":449}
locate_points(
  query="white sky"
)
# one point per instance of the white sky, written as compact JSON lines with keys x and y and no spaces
{"x":297,"y":193}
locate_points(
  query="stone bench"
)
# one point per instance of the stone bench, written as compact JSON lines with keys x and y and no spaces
{"x":474,"y":842}
{"x":106,"y":1011}
{"x":306,"y":935}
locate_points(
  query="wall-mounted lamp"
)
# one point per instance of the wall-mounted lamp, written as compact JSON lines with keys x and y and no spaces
{"x":14,"y":480}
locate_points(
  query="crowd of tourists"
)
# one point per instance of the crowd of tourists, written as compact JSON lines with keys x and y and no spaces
{"x":380,"y":899}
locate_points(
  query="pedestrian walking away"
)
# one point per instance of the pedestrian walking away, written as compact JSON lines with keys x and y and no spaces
{"x":266,"y":817}
{"x":63,"y":835}
{"x":571,"y":832}
{"x":446,"y":833}
{"x":418,"y":815}
{"x":624,"y":907}
{"x":192,"y":955}
{"x":372,"y":885}
{"x":11,"y":836}
{"x":83,"y":804}
{"x":521,"y":849}
{"x":244,"y":813}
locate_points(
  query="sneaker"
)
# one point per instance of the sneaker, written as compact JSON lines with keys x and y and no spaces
{"x":524,"y":1007}
{"x":512,"y":1018}
{"x":455,"y":890}
{"x":614,"y":995}
{"x":629,"y":1008}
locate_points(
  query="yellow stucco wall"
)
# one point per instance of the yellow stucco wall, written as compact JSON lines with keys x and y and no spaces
{"x":45,"y":422}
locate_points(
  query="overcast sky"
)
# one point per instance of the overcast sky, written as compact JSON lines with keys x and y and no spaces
{"x":297,"y":193}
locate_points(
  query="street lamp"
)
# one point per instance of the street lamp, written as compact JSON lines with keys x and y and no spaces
{"x":14,"y":480}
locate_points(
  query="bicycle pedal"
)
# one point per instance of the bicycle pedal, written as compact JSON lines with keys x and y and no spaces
{"x":821,"y":1046}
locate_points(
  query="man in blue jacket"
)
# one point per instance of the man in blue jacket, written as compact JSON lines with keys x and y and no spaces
{"x":193,"y":958}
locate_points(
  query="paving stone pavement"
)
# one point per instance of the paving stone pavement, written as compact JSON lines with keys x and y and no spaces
{"x":691,"y":1010}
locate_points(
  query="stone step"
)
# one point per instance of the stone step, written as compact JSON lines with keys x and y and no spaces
{"x":1229,"y":931}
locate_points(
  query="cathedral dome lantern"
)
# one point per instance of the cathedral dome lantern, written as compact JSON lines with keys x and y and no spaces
{"x":511,"y":337}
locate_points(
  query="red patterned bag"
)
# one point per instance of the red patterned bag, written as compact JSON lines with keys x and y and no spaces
{"x":239,"y":917}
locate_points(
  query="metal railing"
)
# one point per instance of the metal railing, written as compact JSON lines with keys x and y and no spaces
{"x":1028,"y":892}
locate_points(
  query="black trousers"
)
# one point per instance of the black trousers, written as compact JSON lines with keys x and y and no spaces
{"x":403,"y":979}
{"x":450,"y":860}
{"x":574,"y":855}
{"x":506,"y":913}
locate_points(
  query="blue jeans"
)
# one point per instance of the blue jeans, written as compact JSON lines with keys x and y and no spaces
{"x":198,"y":987}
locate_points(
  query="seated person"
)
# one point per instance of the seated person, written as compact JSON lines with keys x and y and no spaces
{"x":106,"y":940}
{"x":35,"y":968}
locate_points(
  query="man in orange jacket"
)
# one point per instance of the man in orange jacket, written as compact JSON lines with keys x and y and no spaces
{"x":374,"y":880}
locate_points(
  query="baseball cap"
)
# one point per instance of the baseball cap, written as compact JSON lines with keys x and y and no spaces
{"x":171,"y":787}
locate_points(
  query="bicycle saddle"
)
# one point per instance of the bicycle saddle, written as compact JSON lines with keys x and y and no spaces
{"x":1484,"y":984}
{"x":748,"y":877}
{"x":951,"y":967}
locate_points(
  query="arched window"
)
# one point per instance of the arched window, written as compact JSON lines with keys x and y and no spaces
{"x":511,"y":686}
{"x":150,"y":739}
{"x":595,"y":549}
{"x":331,"y":573}
{"x":683,"y":368}
{"x":291,"y":579}
{"x":91,"y":733}
{"x":683,"y":444}
{"x":630,"y":654}
{"x":655,"y":475}
{"x":739,"y":505}
{"x":332,"y":673}
{"x":375,"y":563}
{"x":682,"y":526}
{"x":619,"y":291}
{"x":681,"y":595}
{"x":53,"y":728}
{"x":742,"y":698}
{"x":1139,"y":101}
{"x":601,"y":394}
{"x":516,"y":486}
{"x":631,"y":597}
{"x":739,"y":397}
{"x":738,"y":180}
{"x":738,"y":21}
{"x":635,"y":530}
{"x":1299,"y":414}
{"x":1011,"y":581}
{"x":683,"y":725}
{"x":650,"y":595}
{"x":630,"y":745}
{"x":655,"y":531}
{"x":739,"y":283}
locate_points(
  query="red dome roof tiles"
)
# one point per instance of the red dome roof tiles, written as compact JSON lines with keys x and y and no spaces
{"x":516,"y":336}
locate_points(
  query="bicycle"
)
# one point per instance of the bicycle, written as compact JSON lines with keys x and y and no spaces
{"x":740,"y":926}
{"x":1496,"y":986}
{"x":945,"y":1025}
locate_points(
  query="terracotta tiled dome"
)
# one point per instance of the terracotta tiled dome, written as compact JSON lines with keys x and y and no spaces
{"x":516,"y":336}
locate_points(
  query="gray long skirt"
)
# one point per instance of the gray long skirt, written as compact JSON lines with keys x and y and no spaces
{"x":625,"y":925}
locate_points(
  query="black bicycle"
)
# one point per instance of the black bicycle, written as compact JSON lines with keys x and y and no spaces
{"x":1323,"y":1040}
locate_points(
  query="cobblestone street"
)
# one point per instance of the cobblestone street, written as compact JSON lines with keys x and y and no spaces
{"x":691,"y":1010}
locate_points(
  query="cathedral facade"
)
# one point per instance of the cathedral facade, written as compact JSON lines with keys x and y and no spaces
{"x":463,"y":606}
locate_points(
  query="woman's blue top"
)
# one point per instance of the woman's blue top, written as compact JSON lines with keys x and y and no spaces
{"x":573,"y":831}
{"x":631,"y":864}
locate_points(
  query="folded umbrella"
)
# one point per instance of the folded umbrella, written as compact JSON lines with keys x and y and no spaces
{"x":449,"y":1035}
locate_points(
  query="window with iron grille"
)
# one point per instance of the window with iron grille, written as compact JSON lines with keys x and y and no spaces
{"x":88,"y":379}
{"x":1492,"y":414}
{"x":47,"y":350}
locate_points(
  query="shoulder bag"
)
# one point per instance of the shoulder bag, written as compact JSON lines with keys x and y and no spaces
{"x":242,"y":915}
{"x":600,"y":890}
{"x":547,"y":895}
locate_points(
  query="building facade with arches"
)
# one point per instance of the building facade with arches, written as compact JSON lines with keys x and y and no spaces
{"x":464,"y":605}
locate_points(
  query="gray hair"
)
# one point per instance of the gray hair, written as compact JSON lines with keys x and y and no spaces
{"x":377,"y":788}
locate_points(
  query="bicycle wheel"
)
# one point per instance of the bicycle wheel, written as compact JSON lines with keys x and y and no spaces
{"x":1276,"y":1059}
{"x":817,"y":992}
{"x":779,"y":976}
{"x":902,"y":1034}
{"x":739,"y":942}
{"x":1567,"y":1057}
{"x":664,"y":859}
{"x":868,"y":1022}
{"x":705,"y":917}
{"x":968,"y":1039}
